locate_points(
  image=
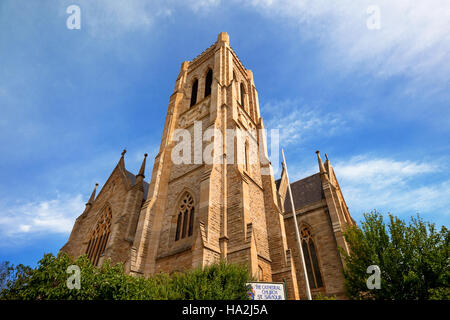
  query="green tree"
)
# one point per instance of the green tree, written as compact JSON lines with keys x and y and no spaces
{"x":413,"y":259}
{"x":109,"y":282}
{"x":6,"y":271}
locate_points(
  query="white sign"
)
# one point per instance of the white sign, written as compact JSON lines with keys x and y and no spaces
{"x":266,"y":291}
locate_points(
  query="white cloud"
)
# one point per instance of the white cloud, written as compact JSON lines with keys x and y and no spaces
{"x":391,"y":185}
{"x":381,"y":172}
{"x":414,"y":38}
{"x":298,"y":122}
{"x":41,"y":217}
{"x":104,"y":18}
{"x":202,"y":5}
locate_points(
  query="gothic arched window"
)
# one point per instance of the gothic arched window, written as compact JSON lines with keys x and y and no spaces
{"x":185,"y":219}
{"x":99,"y":238}
{"x":208,"y":83}
{"x":194,"y":92}
{"x":242,"y":94}
{"x":312,"y":264}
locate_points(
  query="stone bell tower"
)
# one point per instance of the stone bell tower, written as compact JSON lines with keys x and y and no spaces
{"x":212,"y":193}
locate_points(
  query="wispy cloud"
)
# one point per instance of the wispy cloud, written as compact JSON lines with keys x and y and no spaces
{"x":22,"y":221}
{"x":109,"y":18}
{"x":391,"y":185}
{"x":413,"y":39}
{"x":103,"y":18}
{"x":382,"y":172}
{"x":202,"y":5}
{"x":298,"y":121}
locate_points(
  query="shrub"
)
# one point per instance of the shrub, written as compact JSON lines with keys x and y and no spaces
{"x":109,"y":282}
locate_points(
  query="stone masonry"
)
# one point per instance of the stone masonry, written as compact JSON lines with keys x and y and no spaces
{"x":196,"y":212}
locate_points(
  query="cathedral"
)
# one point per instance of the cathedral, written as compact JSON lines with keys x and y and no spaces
{"x":194,"y":213}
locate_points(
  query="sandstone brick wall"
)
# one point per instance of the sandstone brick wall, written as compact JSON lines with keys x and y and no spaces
{"x":187,"y":183}
{"x":125,"y":204}
{"x":316,"y":218}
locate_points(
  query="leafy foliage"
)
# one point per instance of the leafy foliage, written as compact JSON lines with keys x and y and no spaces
{"x":413,"y":258}
{"x":6,"y":271}
{"x":321,"y":296}
{"x":48,"y":281}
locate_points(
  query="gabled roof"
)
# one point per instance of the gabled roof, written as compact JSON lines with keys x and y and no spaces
{"x":305,"y":192}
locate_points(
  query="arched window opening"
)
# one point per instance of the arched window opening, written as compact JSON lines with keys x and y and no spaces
{"x":208,"y":83}
{"x":194,"y":92}
{"x":312,"y":264}
{"x":185,"y":220}
{"x":242,"y":94}
{"x":100,"y":236}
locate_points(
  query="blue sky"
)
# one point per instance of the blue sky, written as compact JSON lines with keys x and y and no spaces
{"x":377,"y":101}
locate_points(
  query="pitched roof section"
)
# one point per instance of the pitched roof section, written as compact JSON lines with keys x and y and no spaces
{"x":132,"y":178}
{"x":277,"y":183}
{"x":305,"y":192}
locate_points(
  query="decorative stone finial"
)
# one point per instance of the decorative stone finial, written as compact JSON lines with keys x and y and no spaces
{"x":92,"y":198}
{"x":321,"y":167}
{"x":223,"y":37}
{"x":142,"y":170}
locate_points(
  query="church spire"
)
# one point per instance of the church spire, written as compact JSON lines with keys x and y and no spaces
{"x":92,"y":198}
{"x":328,"y":165}
{"x":122,"y":160}
{"x":142,"y":170}
{"x":321,"y":167}
{"x":329,"y":169}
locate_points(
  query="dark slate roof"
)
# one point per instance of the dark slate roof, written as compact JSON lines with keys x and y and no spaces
{"x":277,"y":183}
{"x":305,"y":192}
{"x":132,"y":179}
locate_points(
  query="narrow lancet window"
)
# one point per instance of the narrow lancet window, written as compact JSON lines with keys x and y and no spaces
{"x":194,"y":92}
{"x":177,"y":234}
{"x":208,"y":83}
{"x":242,"y":94}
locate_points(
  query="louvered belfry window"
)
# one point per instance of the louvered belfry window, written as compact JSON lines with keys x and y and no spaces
{"x":100,"y":236}
{"x":185,"y":217}
{"x":312,"y":264}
